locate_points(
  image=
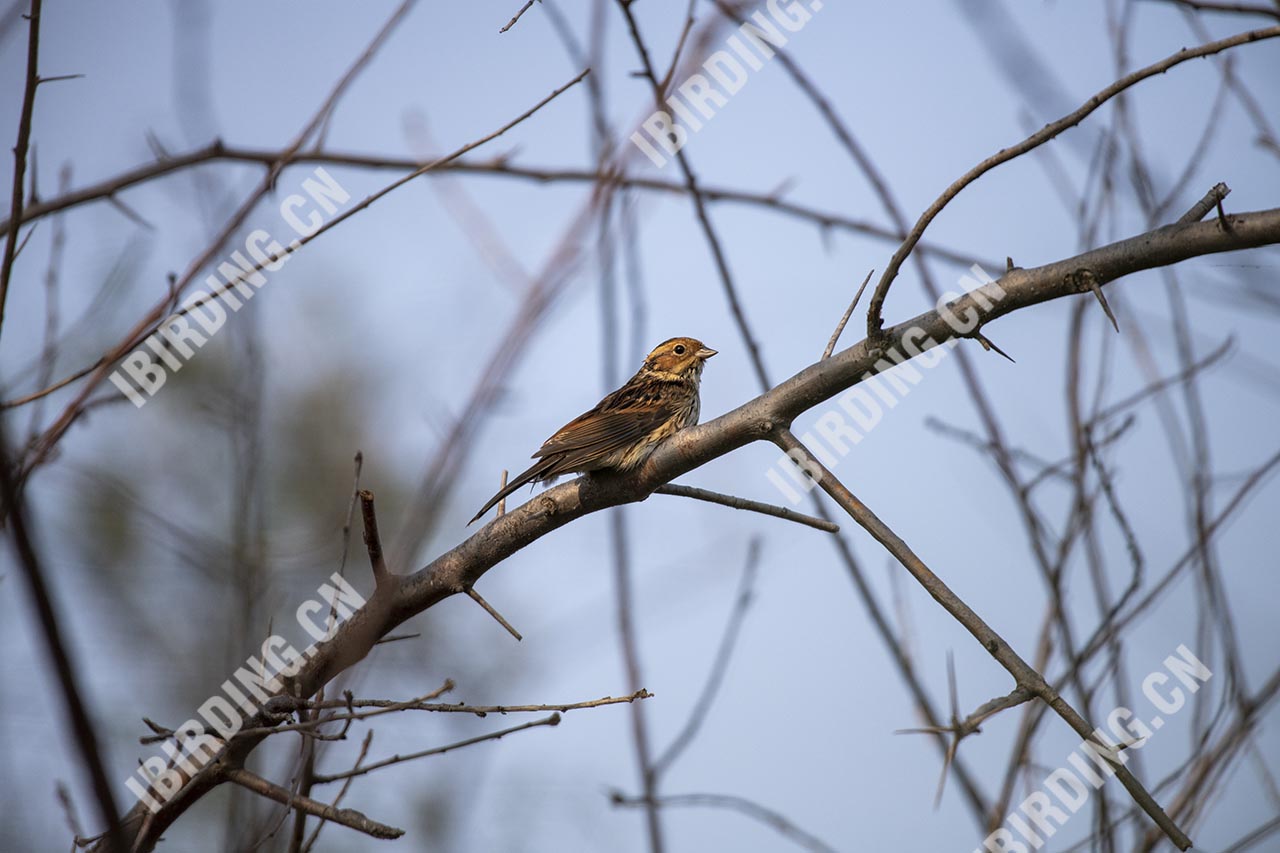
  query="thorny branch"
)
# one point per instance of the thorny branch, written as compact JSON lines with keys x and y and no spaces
{"x":763,"y":418}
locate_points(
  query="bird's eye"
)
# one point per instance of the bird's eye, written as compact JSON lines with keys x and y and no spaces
{"x":679,"y":350}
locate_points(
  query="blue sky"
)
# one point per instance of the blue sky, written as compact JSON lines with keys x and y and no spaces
{"x":399,"y":298}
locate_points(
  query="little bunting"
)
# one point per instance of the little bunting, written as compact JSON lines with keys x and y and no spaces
{"x":627,"y":425}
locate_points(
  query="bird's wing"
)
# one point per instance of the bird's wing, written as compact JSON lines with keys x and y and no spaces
{"x":602,"y":430}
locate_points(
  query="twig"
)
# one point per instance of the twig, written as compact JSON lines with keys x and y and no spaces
{"x":747,"y":504}
{"x":1164,"y":382}
{"x":1256,"y":835}
{"x":899,"y":227}
{"x":553,"y":720}
{"x":719,"y":666}
{"x":489,"y":608}
{"x":158,"y":312}
{"x":1211,"y":199}
{"x":629,"y":647}
{"x":281,"y":706}
{"x":349,"y":818}
{"x":216,"y":151}
{"x":396,"y":184}
{"x":959,"y":729}
{"x":675,"y":55}
{"x":342,"y":792}
{"x":49,"y":350}
{"x":13,"y":511}
{"x":20,"y":154}
{"x":1024,"y":674}
{"x":835,"y":336}
{"x":874,"y":320}
{"x":69,"y":810}
{"x":72,"y":411}
{"x":498,"y":167}
{"x":700,"y":210}
{"x":351,"y":511}
{"x":483,"y":710}
{"x":769,"y":817}
{"x":372,"y":542}
{"x":1237,"y":8}
{"x":511,"y":23}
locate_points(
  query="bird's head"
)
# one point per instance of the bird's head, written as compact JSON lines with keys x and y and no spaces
{"x":679,"y":357}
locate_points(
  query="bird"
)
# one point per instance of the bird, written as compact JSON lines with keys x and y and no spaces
{"x":628,"y":424}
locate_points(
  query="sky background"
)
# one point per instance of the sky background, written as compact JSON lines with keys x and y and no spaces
{"x":373,"y":336}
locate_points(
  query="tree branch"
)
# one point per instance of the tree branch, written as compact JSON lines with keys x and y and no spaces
{"x":349,"y":818}
{"x":320,"y":779}
{"x":1049,"y":131}
{"x":20,"y":155}
{"x":747,"y":504}
{"x":1024,"y":675}
{"x":756,"y":420}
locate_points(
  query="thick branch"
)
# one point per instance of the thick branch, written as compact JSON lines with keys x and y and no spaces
{"x":759,"y":419}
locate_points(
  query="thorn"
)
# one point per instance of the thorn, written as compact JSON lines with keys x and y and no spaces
{"x":835,"y":336}
{"x":1097,"y":291}
{"x":1009,"y":265}
{"x":990,"y":347}
{"x":502,"y":504}
{"x":488,"y":608}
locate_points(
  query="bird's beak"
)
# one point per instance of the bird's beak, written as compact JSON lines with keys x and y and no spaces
{"x":706,"y":353}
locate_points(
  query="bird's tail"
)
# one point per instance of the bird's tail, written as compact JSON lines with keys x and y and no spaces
{"x":537,"y":471}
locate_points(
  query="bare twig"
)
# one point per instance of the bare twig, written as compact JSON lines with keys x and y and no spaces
{"x":1024,"y":674}
{"x":396,"y":184}
{"x":386,"y":706}
{"x":719,"y":666}
{"x":342,"y":792}
{"x":72,"y":412}
{"x":496,"y":167}
{"x":1211,"y":199}
{"x":775,"y":820}
{"x":372,"y":542}
{"x":516,"y":17}
{"x":358,"y":462}
{"x":700,"y":209}
{"x":1049,"y":131}
{"x":13,"y":512}
{"x":349,"y":818}
{"x":69,"y":810}
{"x":1235,"y":8}
{"x":629,"y":646}
{"x":747,"y":504}
{"x":665,"y":83}
{"x":20,"y":153}
{"x":959,"y":728}
{"x":553,"y":720}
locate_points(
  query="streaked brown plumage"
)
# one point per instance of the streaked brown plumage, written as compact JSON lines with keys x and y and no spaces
{"x":625,"y":427}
